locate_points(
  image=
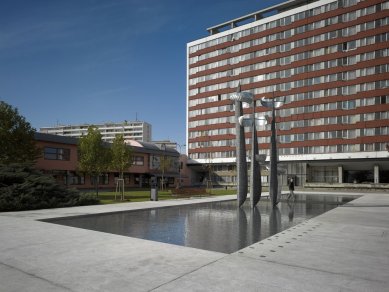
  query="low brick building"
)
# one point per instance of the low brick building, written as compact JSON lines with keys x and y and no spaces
{"x":60,"y":159}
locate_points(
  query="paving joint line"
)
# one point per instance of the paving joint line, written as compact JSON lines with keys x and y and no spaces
{"x":36,"y":276}
{"x":309,"y":269}
{"x":189,"y":272}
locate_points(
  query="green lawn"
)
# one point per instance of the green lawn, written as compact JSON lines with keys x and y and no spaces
{"x":108,"y":197}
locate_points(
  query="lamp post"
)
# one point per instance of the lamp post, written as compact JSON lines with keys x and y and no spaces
{"x":209,"y":166}
{"x":163,"y":148}
{"x":273,"y":188}
{"x":179,"y":165}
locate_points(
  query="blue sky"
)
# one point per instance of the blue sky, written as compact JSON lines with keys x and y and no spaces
{"x":93,"y":61}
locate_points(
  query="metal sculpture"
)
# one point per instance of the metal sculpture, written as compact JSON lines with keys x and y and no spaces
{"x":241,"y":163}
{"x":255,"y":171}
{"x":273,"y":188}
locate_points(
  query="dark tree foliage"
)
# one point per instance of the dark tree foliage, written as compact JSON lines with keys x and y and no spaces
{"x":17,"y":142}
{"x":24,"y":188}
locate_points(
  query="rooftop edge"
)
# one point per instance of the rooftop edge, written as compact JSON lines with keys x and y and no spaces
{"x":260,"y":14}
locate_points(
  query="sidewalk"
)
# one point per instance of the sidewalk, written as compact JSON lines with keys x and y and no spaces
{"x":345,"y":249}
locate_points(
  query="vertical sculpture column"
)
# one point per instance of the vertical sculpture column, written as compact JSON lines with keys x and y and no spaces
{"x":241,"y":163}
{"x":273,"y":189}
{"x":255,"y":171}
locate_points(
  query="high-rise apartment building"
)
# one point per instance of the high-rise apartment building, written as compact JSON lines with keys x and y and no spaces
{"x":136,"y":130}
{"x":329,"y":59}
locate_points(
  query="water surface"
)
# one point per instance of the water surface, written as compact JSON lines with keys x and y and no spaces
{"x":216,"y":226}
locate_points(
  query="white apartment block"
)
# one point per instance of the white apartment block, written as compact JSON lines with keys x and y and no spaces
{"x":135,"y":130}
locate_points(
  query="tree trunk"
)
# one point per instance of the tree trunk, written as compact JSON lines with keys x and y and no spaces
{"x":97,"y":185}
{"x":122,"y":186}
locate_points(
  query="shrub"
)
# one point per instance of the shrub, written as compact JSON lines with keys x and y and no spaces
{"x":87,"y":199}
{"x":24,"y":188}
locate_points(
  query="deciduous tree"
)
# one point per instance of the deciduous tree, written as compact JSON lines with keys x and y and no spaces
{"x":165,"y":164}
{"x":121,"y":158}
{"x":17,"y":143}
{"x":94,"y":156}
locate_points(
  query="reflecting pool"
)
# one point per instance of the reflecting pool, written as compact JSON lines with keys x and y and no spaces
{"x":216,"y":226}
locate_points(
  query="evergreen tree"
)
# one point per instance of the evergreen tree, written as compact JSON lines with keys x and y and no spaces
{"x":22,"y":187}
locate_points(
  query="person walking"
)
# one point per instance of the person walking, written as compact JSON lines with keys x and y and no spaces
{"x":291,"y":189}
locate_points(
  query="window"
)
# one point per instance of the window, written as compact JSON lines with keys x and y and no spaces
{"x":348,"y":104}
{"x":352,"y":45}
{"x":369,"y":117}
{"x":367,"y":86}
{"x":348,"y":90}
{"x":384,"y":131}
{"x":383,"y":115}
{"x":383,"y":83}
{"x":369,"y":132}
{"x":347,"y":3}
{"x":350,"y":134}
{"x":384,"y":99}
{"x":104,"y":179}
{"x":351,"y":16}
{"x":51,"y":153}
{"x":286,"y":20}
{"x":138,"y":160}
{"x":368,"y":147}
{"x":332,"y":120}
{"x":74,"y":178}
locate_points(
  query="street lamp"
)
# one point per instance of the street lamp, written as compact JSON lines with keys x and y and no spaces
{"x":179,"y":165}
{"x":163,"y":148}
{"x":273,"y":103}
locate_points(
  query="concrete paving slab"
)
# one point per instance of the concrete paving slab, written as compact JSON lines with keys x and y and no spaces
{"x":239,"y":273}
{"x":323,"y":254}
{"x":13,"y":280}
{"x":362,"y":216}
{"x":85,"y":260}
{"x":345,"y":249}
{"x":341,"y":250}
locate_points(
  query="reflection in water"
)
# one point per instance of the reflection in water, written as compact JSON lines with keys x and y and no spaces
{"x":212,"y":226}
{"x":217,"y":226}
{"x":291,"y":209}
{"x":255,"y":225}
{"x":242,"y":227}
{"x":274,"y":220}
